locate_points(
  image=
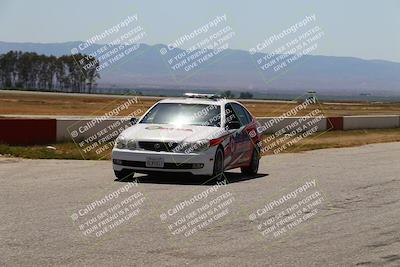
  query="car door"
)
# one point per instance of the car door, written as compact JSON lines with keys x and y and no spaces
{"x":241,"y":144}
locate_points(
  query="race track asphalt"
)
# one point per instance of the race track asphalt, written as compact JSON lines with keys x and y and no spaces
{"x":45,"y":209}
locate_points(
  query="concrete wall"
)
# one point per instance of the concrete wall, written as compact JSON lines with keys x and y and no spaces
{"x":290,"y":123}
{"x":28,"y":131}
{"x":371,"y":122}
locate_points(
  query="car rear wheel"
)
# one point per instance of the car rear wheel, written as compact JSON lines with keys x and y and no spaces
{"x":255,"y":162}
{"x":124,"y":174}
{"x":219,"y":165}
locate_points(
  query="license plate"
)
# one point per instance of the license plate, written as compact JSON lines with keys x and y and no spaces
{"x":154,"y":162}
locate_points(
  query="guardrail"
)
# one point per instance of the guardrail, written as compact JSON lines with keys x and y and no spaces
{"x":32,"y":131}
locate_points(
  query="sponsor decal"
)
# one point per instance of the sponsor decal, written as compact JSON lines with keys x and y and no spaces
{"x":167,"y":128}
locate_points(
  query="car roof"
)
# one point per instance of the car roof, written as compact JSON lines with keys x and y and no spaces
{"x":190,"y":100}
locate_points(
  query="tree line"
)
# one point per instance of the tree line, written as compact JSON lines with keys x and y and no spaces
{"x":230,"y":94}
{"x":29,"y":70}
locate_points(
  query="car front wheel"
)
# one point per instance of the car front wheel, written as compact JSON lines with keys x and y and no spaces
{"x":255,"y":162}
{"x":218,"y":164}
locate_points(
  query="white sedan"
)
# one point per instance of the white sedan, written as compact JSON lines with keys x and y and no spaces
{"x":195,"y":135}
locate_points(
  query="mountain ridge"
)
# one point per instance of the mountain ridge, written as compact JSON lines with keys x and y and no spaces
{"x":235,"y":69}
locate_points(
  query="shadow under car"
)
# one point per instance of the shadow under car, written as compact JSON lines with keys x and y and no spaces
{"x":189,"y":179}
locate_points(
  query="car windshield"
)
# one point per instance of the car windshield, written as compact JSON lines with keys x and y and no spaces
{"x":184,"y":114}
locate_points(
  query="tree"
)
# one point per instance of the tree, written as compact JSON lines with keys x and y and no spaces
{"x":89,"y":70}
{"x":227,"y":94}
{"x":33,"y":71}
{"x":245,"y":95}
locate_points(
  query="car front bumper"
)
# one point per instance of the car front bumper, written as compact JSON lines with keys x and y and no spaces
{"x":195,"y":163}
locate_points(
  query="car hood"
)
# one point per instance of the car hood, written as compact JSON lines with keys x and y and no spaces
{"x":171,"y":133}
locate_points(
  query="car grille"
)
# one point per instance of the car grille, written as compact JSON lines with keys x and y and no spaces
{"x":158,"y":146}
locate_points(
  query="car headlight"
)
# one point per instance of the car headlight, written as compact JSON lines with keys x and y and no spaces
{"x":194,"y":147}
{"x":131,"y":144}
{"x":120,"y":142}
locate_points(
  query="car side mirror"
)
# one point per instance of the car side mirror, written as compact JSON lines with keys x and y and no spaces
{"x":133,"y":120}
{"x":233,"y":125}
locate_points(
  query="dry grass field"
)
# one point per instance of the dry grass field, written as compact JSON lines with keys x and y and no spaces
{"x":32,"y":103}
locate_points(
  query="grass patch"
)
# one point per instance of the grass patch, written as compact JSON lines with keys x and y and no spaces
{"x":62,"y":151}
{"x":334,"y":139}
{"x":339,"y":139}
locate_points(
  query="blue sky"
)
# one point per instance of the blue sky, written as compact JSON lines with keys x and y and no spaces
{"x":358,"y":28}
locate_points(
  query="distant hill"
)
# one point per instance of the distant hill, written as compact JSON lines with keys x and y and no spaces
{"x":237,"y":70}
